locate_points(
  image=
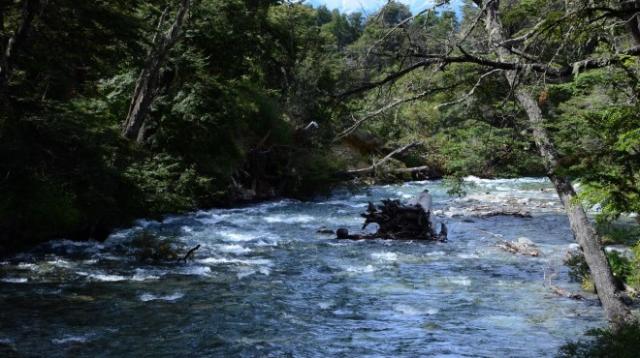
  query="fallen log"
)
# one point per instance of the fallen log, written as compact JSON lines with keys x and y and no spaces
{"x":521,"y":246}
{"x":505,"y":212}
{"x":564,"y":293}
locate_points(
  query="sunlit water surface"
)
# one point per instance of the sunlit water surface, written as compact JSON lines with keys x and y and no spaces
{"x":265,"y":283}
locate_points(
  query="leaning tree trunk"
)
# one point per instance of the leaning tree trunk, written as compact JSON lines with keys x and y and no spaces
{"x":147,"y":84}
{"x":615,"y":309}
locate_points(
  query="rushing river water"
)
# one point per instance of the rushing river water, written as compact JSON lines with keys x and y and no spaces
{"x":265,"y":283}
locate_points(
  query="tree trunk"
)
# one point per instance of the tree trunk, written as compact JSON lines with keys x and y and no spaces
{"x":147,"y":84}
{"x":615,"y":309}
{"x":633,"y":23}
{"x":10,"y":46}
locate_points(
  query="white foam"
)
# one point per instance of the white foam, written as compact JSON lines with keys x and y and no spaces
{"x":264,"y":243}
{"x":573,"y":247}
{"x":414,"y":311}
{"x":468,"y":256}
{"x":474,"y":179}
{"x":236,"y":236}
{"x":226,"y":260}
{"x":106,"y":277}
{"x":360,"y":269}
{"x":525,"y":241}
{"x":288,"y":219}
{"x":436,"y":253}
{"x":71,"y":339}
{"x":142,"y":275}
{"x":146,"y":297}
{"x":14,"y":280}
{"x":460,"y":280}
{"x":477,"y":180}
{"x":385,"y":256}
{"x":60,"y":263}
{"x":197,"y":271}
{"x":27,"y":266}
{"x":326,"y":304}
{"x":234,"y":249}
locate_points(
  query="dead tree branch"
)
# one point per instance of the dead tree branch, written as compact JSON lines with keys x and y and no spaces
{"x":375,"y":165}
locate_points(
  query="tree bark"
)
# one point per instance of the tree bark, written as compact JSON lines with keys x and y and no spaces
{"x":615,"y":309}
{"x":633,"y":21}
{"x":147,"y":84}
{"x":10,"y":46}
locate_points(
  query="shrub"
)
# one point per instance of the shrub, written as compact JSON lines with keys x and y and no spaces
{"x":605,"y":342}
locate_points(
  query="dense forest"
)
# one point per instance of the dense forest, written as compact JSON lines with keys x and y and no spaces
{"x":115,"y":110}
{"x":247,"y":102}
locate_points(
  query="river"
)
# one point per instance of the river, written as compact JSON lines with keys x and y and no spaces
{"x":265,"y":283}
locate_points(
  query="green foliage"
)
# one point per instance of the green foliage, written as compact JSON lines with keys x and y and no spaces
{"x":167,"y":185}
{"x":634,"y":277}
{"x":604,"y":342}
{"x":578,"y":268}
{"x":219,"y":121}
{"x":625,"y":270}
{"x":456,"y":186}
{"x":619,"y":232}
{"x":620,"y":266}
{"x":597,"y":134}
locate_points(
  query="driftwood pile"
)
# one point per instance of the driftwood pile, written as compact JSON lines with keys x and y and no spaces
{"x":397,"y":221}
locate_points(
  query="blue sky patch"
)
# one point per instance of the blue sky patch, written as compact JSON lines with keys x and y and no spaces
{"x":368,"y":7}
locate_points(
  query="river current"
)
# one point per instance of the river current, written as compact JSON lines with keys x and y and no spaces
{"x":265,"y":283}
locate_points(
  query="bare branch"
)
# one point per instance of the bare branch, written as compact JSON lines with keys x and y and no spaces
{"x":550,"y":71}
{"x":358,"y":122}
{"x":375,"y":165}
{"x":471,"y":92}
{"x":160,"y":23}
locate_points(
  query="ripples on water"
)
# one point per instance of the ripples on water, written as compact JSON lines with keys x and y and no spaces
{"x":264,"y":283}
